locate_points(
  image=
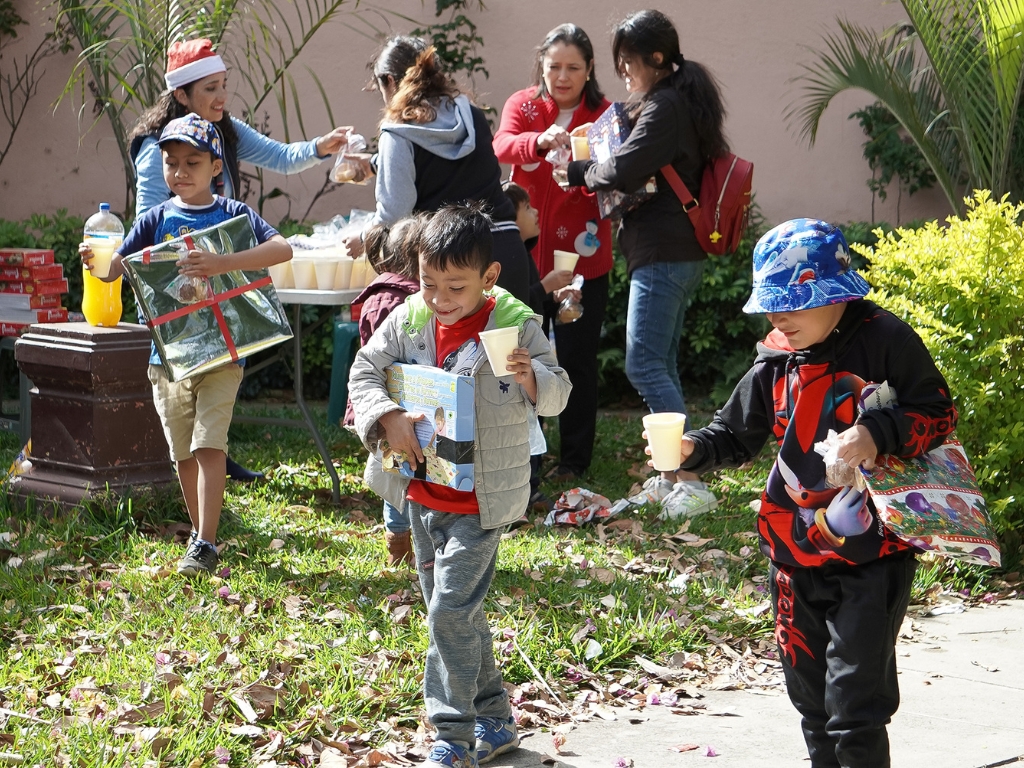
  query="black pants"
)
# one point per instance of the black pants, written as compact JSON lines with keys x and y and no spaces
{"x":576,"y":345}
{"x":836,"y":627}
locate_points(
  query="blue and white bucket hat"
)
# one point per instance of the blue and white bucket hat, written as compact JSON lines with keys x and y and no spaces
{"x":803,"y":264}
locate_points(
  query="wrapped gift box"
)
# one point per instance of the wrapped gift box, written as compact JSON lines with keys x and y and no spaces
{"x":222,"y":320}
{"x":605,"y":137}
{"x":446,"y":432}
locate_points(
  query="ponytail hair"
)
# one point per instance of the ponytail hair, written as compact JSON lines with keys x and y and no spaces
{"x":418,"y":77}
{"x":646,"y":33}
{"x":395,"y":248}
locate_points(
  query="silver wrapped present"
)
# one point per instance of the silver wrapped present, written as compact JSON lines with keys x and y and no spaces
{"x":199,"y":324}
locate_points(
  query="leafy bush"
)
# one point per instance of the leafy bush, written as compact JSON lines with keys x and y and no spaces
{"x":962,"y":288}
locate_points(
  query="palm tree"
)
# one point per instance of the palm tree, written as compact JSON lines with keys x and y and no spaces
{"x":952,"y":77}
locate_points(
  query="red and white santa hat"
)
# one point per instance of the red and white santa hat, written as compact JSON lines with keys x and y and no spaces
{"x":191,"y":60}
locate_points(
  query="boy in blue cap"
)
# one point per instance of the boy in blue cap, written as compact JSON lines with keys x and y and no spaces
{"x":840,"y":581}
{"x":196,"y":412}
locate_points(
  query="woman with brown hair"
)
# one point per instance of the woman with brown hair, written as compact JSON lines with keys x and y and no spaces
{"x":434,"y":149}
{"x":564,"y":95}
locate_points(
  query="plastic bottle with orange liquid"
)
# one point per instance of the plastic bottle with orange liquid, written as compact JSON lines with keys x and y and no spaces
{"x":101,"y":301}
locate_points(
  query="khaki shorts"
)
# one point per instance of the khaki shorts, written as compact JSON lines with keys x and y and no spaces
{"x":196,"y":412}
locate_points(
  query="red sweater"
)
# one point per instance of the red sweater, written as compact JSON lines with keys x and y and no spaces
{"x":564,"y":216}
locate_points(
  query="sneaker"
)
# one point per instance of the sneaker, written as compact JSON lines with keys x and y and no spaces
{"x":687,"y":500}
{"x":494,"y":736}
{"x":444,"y":754}
{"x":201,"y":556}
{"x":655,"y":489}
{"x":236,"y":471}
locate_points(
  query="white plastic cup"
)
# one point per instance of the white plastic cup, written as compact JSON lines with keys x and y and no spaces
{"x":102,"y":252}
{"x":359,"y":267}
{"x":343,"y":276}
{"x":277,"y":274}
{"x":565,"y":261}
{"x":287,"y":275}
{"x":499,"y":344}
{"x":664,"y":435}
{"x":305,"y":273}
{"x":580,"y":148}
{"x":325,"y":268}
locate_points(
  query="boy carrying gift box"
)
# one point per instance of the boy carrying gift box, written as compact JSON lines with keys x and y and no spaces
{"x":196,"y":412}
{"x":456,"y":533}
{"x":840,"y":581}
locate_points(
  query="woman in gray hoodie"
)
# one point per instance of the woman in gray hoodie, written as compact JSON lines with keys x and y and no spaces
{"x":435,"y":149}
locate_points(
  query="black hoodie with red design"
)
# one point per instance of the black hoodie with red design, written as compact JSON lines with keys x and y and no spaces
{"x":797,"y":396}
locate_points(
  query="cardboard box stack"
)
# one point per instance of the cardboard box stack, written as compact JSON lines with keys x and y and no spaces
{"x":32,"y":289}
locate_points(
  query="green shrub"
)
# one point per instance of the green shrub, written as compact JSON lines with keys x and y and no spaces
{"x":961,"y":287}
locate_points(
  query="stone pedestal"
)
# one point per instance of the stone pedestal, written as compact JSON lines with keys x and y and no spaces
{"x":94,"y":426}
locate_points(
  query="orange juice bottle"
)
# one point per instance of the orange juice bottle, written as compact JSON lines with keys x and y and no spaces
{"x":101,"y":301}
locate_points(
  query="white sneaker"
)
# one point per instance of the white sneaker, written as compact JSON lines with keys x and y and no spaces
{"x":655,"y":489}
{"x":687,"y":500}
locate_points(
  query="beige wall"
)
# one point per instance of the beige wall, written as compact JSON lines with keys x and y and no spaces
{"x":753,"y":47}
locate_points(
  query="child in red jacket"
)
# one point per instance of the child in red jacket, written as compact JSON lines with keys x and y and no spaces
{"x":393,"y":254}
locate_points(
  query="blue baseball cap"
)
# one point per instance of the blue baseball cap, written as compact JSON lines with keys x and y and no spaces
{"x":803,"y":264}
{"x":195,"y":131}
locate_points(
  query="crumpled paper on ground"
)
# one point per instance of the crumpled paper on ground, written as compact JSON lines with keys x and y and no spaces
{"x":579,"y":505}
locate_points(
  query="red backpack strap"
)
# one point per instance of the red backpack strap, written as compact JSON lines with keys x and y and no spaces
{"x":672,"y":177}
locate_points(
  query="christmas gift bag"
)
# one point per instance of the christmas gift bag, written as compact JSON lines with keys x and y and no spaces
{"x":933,"y":502}
{"x":605,"y":137}
{"x":199,"y":324}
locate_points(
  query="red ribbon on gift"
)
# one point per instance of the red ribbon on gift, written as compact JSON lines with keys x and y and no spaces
{"x":213,"y":302}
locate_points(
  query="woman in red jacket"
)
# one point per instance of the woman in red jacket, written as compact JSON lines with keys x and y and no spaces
{"x":564,"y":95}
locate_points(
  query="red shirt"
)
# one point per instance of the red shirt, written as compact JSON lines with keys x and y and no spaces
{"x":458,"y":347}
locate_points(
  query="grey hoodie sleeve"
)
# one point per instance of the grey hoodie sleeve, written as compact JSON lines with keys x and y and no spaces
{"x":396,"y":179}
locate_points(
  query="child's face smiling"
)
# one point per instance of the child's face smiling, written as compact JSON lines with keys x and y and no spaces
{"x":457,"y":292}
{"x":807,"y":327}
{"x":188,"y":172}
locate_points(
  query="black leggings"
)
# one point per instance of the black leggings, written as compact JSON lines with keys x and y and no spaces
{"x":836,"y":626}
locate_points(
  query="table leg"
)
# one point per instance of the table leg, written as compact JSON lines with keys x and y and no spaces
{"x":301,"y":402}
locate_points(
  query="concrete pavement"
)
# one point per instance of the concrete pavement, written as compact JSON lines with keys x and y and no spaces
{"x":962,"y":689}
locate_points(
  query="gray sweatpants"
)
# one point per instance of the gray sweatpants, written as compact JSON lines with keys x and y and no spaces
{"x":455,"y":558}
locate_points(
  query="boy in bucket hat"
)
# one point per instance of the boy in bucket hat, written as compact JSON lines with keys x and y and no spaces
{"x":840,"y":581}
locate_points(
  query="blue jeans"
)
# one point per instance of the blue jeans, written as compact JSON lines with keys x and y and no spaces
{"x":396,"y":520}
{"x":455,"y":558}
{"x":659,"y":294}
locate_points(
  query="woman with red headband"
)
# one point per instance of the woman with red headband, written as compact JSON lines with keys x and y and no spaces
{"x":196,"y":79}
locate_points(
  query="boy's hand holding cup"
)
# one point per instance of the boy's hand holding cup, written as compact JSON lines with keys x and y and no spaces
{"x":666,"y":445}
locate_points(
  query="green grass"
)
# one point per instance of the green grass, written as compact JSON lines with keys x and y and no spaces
{"x":111,"y":659}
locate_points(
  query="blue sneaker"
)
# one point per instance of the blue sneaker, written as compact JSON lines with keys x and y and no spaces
{"x":447,"y":755}
{"x":494,"y":736}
